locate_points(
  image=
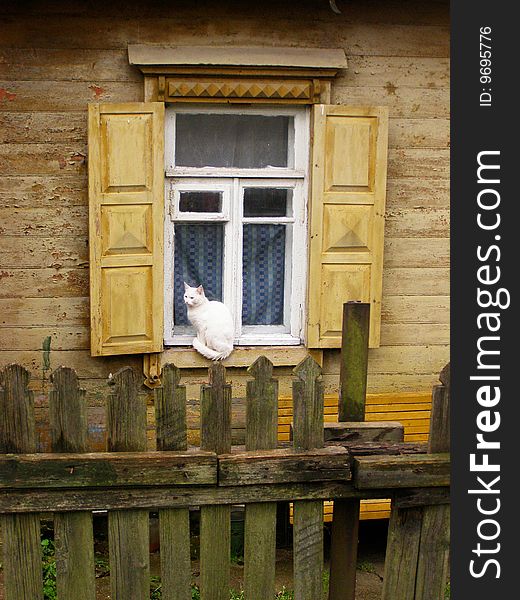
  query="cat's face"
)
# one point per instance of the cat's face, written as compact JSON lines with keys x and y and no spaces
{"x":193,"y":296}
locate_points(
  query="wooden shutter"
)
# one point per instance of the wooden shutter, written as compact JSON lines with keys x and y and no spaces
{"x":126,"y":200}
{"x":347,"y":218}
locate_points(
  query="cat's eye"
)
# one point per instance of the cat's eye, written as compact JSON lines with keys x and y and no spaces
{"x":200,"y":202}
{"x":267,"y":202}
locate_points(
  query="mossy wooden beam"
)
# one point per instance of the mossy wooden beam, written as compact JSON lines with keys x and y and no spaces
{"x":410,"y":498}
{"x":373,"y":431}
{"x":285,"y":466}
{"x":103,"y":469}
{"x":420,"y":470}
{"x":153,"y":498}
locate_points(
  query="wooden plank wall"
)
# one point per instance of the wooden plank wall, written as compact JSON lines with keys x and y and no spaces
{"x":56,"y":57}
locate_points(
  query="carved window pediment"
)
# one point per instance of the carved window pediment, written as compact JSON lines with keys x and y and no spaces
{"x":250,"y":74}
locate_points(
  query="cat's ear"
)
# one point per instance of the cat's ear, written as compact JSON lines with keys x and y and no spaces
{"x":186,"y":286}
{"x":200,"y":290}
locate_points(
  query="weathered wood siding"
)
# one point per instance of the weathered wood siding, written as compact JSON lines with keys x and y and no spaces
{"x":56,"y":57}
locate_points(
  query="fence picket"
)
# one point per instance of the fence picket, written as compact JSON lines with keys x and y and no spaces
{"x":416,"y":564}
{"x":308,"y":514}
{"x":432,"y":567}
{"x":128,"y":530}
{"x":402,"y":550}
{"x":215,"y":521}
{"x":73,"y":532}
{"x":260,"y":518}
{"x":174,"y":523}
{"x":21,"y":533}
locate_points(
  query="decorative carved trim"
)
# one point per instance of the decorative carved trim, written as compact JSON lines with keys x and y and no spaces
{"x":239,"y":88}
{"x":249,"y":74}
{"x":161,"y":87}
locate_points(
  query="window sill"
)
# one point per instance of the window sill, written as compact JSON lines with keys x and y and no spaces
{"x":242,"y":356}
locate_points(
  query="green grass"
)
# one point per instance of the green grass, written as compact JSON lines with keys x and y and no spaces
{"x":49,"y":570}
{"x":103,"y":568}
{"x":283,"y":594}
{"x":366,"y":567}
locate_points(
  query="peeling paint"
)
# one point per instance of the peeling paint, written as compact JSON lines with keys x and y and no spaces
{"x":77,"y":158}
{"x":6,"y":95}
{"x":97,"y":91}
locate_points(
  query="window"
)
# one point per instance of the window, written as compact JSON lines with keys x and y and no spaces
{"x":255,"y":213}
{"x":236,"y":195}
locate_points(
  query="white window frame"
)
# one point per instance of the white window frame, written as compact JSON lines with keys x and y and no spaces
{"x":232,"y":183}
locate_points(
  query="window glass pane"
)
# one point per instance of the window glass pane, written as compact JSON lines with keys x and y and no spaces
{"x":208,"y":202}
{"x":198,"y":261}
{"x":263,"y":274}
{"x":227,"y":140}
{"x":267,"y":202}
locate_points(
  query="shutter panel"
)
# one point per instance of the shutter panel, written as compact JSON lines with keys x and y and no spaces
{"x":349,"y":158}
{"x":126,"y":207}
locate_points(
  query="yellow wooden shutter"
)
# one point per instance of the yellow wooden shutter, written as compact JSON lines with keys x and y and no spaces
{"x":126,"y":207}
{"x":349,"y":158}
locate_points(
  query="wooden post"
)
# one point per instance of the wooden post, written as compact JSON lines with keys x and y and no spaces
{"x":22,"y":559}
{"x":73,"y":532}
{"x":416,"y":563}
{"x":174,"y":523}
{"x":354,"y":361}
{"x":215,"y":521}
{"x":308,"y":514}
{"x":351,"y":407}
{"x":260,"y":518}
{"x":128,"y":530}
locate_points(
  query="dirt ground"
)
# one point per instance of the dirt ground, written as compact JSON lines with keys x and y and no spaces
{"x":371,"y":552}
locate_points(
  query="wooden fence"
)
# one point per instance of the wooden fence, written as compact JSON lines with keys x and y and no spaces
{"x":343,"y":462}
{"x":129,"y":482}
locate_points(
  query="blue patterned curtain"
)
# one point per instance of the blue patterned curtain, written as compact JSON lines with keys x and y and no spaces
{"x":198,"y":261}
{"x":263,"y":274}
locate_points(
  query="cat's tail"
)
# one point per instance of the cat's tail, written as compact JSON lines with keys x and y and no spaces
{"x":209,"y":352}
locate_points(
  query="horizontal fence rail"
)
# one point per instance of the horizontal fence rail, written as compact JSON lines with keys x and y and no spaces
{"x":361,"y":461}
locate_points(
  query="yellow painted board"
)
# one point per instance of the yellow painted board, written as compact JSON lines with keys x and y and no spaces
{"x":416,"y":437}
{"x":376,"y":408}
{"x":369,"y":509}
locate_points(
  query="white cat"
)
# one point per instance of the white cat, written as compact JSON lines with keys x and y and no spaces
{"x":213,"y":323}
